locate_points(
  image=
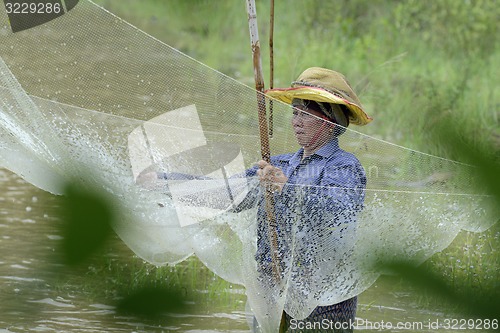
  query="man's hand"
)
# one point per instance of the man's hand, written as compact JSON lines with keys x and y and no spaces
{"x":271,"y":176}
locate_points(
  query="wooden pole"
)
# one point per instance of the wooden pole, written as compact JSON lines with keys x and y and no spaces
{"x":271,"y":66}
{"x":264,"y":138}
{"x":264,"y":142}
{"x":259,"y":79}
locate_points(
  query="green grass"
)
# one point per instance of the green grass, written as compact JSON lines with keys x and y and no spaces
{"x":471,"y":263}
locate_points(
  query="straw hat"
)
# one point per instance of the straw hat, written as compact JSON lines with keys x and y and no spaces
{"x":327,"y":86}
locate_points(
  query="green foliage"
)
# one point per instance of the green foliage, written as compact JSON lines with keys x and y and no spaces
{"x":88,"y":223}
{"x":468,"y":27}
{"x":483,"y":305}
{"x":482,"y":156}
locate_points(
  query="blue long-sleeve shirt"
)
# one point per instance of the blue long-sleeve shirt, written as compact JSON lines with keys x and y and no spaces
{"x":318,"y":203}
{"x":320,"y":200}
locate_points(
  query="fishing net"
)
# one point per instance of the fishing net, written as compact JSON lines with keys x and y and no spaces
{"x":88,"y":97}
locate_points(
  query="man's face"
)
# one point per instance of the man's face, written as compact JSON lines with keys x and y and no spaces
{"x":306,"y":124}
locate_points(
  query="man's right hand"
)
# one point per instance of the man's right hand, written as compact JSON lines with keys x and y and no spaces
{"x":271,"y":175}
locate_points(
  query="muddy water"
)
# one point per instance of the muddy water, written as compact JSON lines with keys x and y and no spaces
{"x":34,"y":299}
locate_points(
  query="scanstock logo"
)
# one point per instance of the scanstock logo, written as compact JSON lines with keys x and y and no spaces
{"x":26,"y":14}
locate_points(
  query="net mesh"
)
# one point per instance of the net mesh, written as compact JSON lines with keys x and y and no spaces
{"x":88,"y":96}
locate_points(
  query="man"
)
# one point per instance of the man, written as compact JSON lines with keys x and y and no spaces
{"x":318,"y":192}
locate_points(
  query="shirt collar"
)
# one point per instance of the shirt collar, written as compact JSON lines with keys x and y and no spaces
{"x":328,"y":149}
{"x":324,"y":151}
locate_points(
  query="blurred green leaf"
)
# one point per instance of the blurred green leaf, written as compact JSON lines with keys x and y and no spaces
{"x":478,"y":305}
{"x":151,"y":302}
{"x":483,"y":156}
{"x":87,"y":220}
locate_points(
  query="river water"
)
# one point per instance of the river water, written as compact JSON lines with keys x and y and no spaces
{"x":33,"y":298}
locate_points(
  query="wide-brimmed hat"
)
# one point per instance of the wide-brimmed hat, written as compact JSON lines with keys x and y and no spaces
{"x":327,"y":86}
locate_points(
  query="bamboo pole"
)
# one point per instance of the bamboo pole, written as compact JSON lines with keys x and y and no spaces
{"x":264,"y":138}
{"x":259,"y":79}
{"x":263,"y":129}
{"x":264,"y":141}
{"x":271,"y":66}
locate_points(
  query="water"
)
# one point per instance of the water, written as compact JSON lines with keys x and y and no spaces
{"x":35,"y":297}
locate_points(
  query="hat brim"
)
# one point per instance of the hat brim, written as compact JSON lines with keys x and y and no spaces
{"x":357,"y":116}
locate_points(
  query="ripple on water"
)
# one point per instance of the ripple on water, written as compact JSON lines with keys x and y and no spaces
{"x":50,"y":301}
{"x":22,"y":279}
